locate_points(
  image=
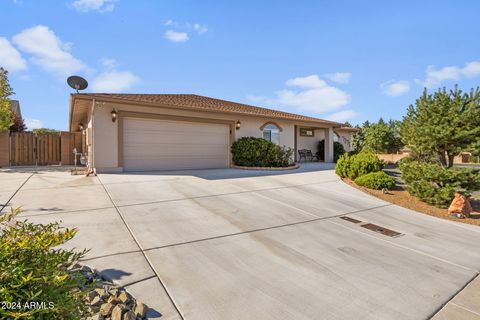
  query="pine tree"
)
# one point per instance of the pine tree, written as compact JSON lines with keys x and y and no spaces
{"x":444,"y":123}
{"x":5,"y":107}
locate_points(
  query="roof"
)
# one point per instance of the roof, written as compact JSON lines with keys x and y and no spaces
{"x":349,"y":129}
{"x":200,"y":103}
{"x":15,"y":107}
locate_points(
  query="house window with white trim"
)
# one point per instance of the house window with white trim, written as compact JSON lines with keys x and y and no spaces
{"x":271,"y":133}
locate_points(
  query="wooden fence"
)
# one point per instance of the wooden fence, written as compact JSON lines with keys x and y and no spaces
{"x":26,"y":148}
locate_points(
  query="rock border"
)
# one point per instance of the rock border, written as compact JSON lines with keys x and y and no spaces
{"x":296,"y":166}
{"x":108,"y":301}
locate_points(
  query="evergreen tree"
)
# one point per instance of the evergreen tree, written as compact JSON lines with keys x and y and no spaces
{"x":5,"y":108}
{"x":379,"y":137}
{"x":444,"y":123}
{"x":358,"y":140}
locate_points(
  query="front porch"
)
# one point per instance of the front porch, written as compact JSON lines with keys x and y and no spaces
{"x":309,"y":137}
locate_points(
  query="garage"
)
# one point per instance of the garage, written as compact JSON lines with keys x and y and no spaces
{"x":157,"y":144}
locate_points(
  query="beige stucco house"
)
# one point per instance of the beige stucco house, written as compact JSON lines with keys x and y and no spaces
{"x":138,"y":132}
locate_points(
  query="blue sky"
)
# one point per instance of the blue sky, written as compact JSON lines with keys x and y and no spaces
{"x":341,"y":60}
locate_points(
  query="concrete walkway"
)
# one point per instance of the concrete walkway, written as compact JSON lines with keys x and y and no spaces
{"x":234,"y":244}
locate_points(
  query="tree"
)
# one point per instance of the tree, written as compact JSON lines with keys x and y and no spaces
{"x":5,"y":108}
{"x":379,"y":137}
{"x":358,"y":140}
{"x":46,"y":131}
{"x":444,"y":123}
{"x":18,"y":124}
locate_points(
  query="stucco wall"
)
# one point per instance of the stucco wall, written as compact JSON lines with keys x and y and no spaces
{"x":345,"y":139}
{"x":310,"y":143}
{"x":105,"y":132}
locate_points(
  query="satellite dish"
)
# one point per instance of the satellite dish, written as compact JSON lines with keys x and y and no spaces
{"x":77,"y":83}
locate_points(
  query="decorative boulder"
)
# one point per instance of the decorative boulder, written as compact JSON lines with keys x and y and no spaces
{"x":460,"y":205}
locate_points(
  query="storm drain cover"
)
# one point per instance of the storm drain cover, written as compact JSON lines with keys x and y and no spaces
{"x":382,"y":230}
{"x":350,"y":219}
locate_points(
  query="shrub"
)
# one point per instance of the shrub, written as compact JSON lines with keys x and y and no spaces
{"x":338,"y":150}
{"x":358,"y":165}
{"x":435,"y":184}
{"x":258,"y":152}
{"x":376,"y":180}
{"x":31,"y":271}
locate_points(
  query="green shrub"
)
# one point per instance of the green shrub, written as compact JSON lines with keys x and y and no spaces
{"x":31,"y":271}
{"x":338,"y":150}
{"x":258,"y":152}
{"x":435,"y":184}
{"x":473,"y":159}
{"x":358,"y":165}
{"x":376,"y":180}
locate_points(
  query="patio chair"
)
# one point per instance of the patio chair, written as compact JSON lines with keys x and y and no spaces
{"x":302,"y":155}
{"x":310,"y":155}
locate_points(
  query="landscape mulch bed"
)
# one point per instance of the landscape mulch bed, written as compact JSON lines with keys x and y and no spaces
{"x":402,"y":198}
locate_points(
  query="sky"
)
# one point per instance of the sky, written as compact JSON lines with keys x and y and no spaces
{"x":339,"y":60}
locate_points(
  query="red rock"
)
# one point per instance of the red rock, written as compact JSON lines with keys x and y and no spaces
{"x":460,"y":204}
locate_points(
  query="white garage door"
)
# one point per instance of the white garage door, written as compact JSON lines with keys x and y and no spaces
{"x":172,"y":145}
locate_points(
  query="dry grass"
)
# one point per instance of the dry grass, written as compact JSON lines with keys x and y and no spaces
{"x":402,"y":198}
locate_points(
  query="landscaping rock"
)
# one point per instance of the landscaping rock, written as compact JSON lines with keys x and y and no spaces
{"x":460,"y":205}
{"x":129,"y":315}
{"x":118,"y":311}
{"x":140,"y":309}
{"x":102,"y":293}
{"x":125,"y":297}
{"x":90,"y":296}
{"x":106,"y":309}
{"x":96,"y":301}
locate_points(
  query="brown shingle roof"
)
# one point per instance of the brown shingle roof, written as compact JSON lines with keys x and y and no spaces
{"x":195,"y":102}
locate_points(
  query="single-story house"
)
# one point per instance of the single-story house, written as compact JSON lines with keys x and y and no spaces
{"x":141,"y":132}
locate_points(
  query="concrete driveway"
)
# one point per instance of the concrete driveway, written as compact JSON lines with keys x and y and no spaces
{"x":232,"y":244}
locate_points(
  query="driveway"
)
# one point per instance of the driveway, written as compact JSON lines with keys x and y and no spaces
{"x":233,"y":244}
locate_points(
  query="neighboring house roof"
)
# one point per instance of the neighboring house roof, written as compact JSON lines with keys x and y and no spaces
{"x":200,"y":103}
{"x":348,"y":129}
{"x":15,"y":107}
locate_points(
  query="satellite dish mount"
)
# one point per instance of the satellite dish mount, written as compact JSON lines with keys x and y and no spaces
{"x":77,"y":83}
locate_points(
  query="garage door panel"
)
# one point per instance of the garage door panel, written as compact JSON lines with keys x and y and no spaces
{"x":170,"y":145}
{"x":142,"y":138}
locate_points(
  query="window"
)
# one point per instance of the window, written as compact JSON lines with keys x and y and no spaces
{"x":271,"y":133}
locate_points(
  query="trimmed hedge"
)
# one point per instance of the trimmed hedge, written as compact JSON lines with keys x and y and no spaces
{"x":258,"y":152}
{"x":435,"y":184}
{"x":358,"y":165}
{"x":376,"y":180}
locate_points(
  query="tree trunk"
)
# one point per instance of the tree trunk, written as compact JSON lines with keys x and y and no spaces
{"x":450,"y":160}
{"x":443,"y":159}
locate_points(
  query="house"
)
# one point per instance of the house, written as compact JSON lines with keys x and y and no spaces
{"x":15,"y":107}
{"x":139,"y":132}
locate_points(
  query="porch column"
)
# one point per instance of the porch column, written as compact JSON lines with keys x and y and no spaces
{"x":329,"y":145}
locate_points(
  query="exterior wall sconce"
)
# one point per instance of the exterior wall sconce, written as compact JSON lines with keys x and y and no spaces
{"x":114,"y":115}
{"x":81,"y":127}
{"x":238,"y":125}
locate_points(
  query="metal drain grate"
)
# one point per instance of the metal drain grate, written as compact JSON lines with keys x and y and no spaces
{"x":350,"y":219}
{"x":382,"y":230}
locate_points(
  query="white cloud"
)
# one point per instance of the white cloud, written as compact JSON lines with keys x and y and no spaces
{"x":315,"y":95}
{"x":339,"y":77}
{"x":10,"y":58}
{"x":201,"y":29}
{"x":94,"y":5}
{"x":395,"y":88}
{"x":434,"y":76}
{"x":48,"y":50}
{"x":342,"y":116}
{"x":108,"y":64}
{"x":114,"y":81}
{"x":33,"y":123}
{"x":171,"y":23}
{"x":176,"y":36}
